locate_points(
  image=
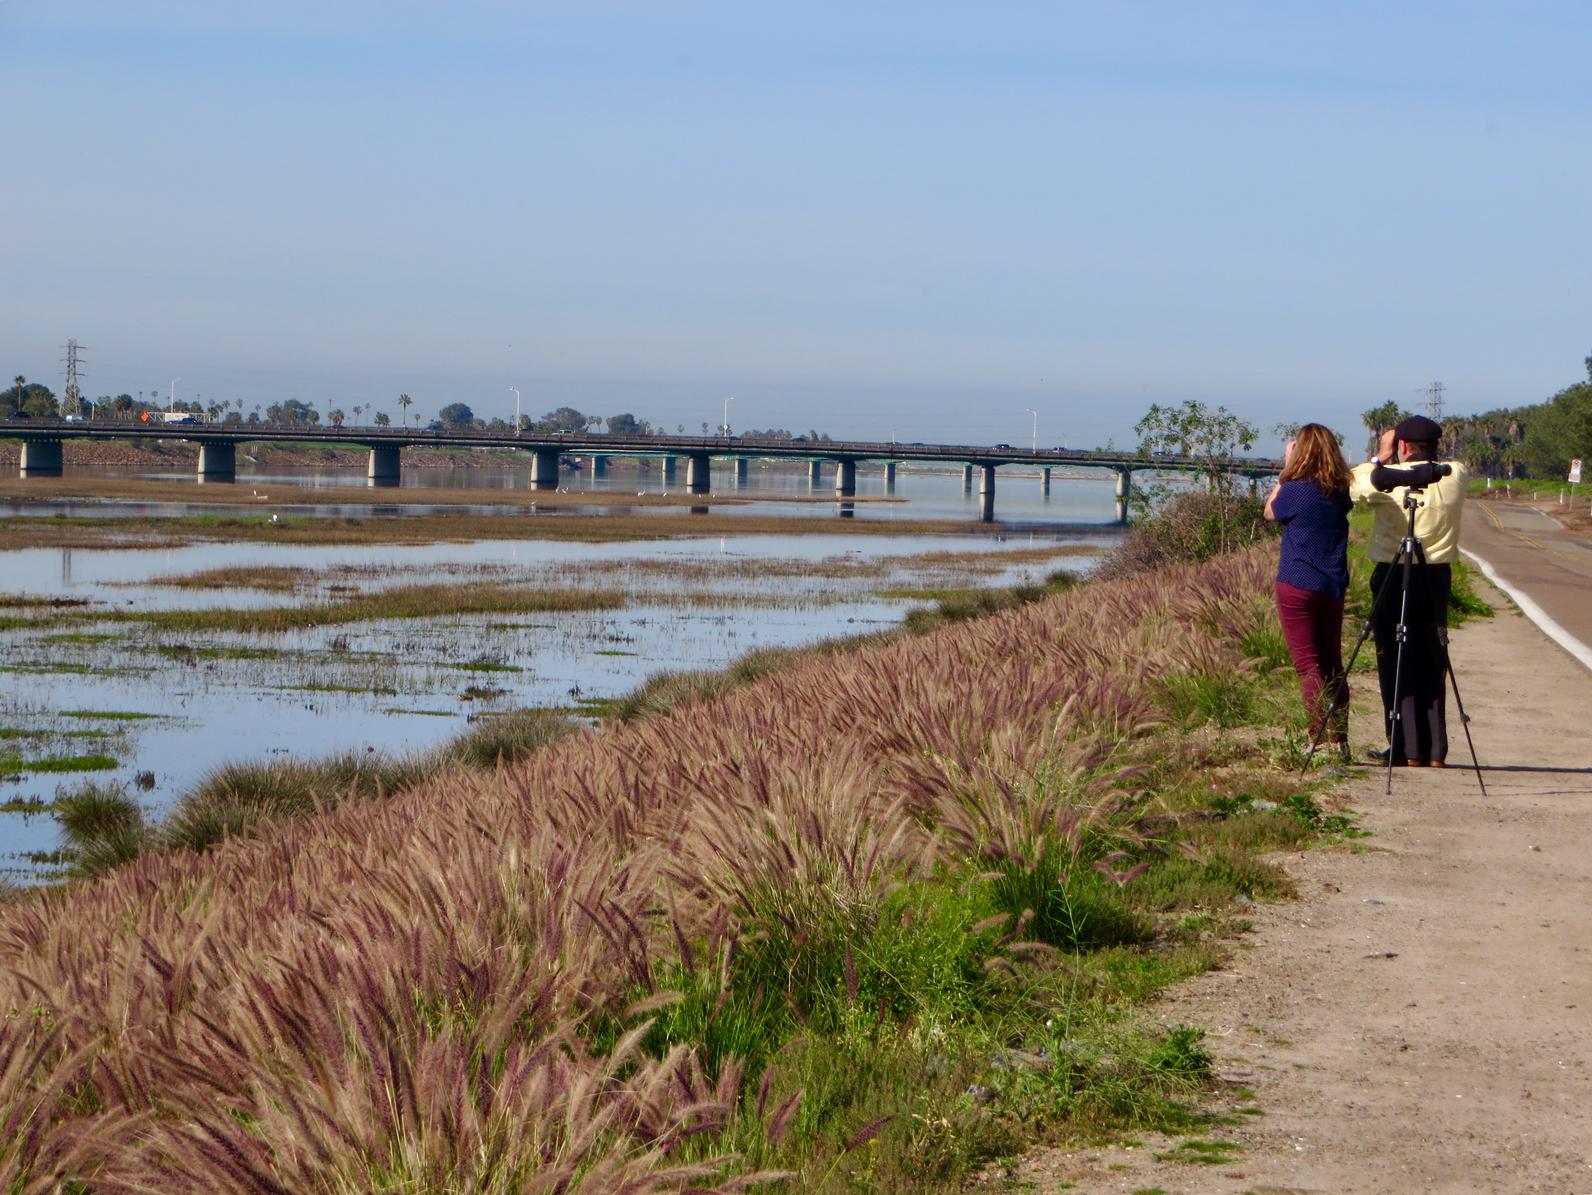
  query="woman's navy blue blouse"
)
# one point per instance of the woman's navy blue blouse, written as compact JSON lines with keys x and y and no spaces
{"x":1315,"y":537}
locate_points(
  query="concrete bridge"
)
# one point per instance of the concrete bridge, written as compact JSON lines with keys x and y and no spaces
{"x":43,"y":453}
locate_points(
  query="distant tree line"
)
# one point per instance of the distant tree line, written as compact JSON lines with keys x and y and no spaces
{"x":1539,"y":440}
{"x":37,"y":401}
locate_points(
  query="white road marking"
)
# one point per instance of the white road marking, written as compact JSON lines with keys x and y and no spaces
{"x":1536,"y":613}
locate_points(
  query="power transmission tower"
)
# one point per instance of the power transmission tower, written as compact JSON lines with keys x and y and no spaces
{"x":1434,"y":402}
{"x":72,"y":400}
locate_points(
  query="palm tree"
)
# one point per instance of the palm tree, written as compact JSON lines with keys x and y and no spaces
{"x":404,"y":401}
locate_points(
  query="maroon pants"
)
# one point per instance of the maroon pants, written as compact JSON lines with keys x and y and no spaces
{"x":1312,"y":623}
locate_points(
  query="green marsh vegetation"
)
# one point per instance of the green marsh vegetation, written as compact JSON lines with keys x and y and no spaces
{"x":869,"y":918}
{"x":12,"y":764}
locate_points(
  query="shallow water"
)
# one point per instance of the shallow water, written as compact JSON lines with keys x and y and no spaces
{"x":410,"y":684}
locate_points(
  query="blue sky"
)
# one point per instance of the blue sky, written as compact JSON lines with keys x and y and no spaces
{"x":918,"y":219}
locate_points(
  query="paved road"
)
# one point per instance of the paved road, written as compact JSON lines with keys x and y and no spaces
{"x":1534,"y":555}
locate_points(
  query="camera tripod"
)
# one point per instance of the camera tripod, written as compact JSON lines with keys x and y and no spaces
{"x":1409,"y":554}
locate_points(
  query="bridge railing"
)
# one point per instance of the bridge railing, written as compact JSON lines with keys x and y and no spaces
{"x":585,"y":443}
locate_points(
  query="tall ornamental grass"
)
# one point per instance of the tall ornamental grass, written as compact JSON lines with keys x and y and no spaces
{"x":616,"y":963}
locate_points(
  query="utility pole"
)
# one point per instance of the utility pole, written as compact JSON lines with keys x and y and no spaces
{"x":1034,"y":444}
{"x":1434,"y":402}
{"x":72,"y":400}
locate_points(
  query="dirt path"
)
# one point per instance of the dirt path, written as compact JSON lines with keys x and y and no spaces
{"x":1421,"y":1019}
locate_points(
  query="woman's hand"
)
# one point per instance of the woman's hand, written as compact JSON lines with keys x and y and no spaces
{"x":1287,"y":451}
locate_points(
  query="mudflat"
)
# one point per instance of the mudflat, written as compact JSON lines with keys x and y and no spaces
{"x":1420,"y":1020}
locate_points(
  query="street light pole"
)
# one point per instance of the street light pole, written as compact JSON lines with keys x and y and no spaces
{"x":516,"y":391}
{"x":727,"y":403}
{"x":1034,"y":443}
{"x":172,"y":405}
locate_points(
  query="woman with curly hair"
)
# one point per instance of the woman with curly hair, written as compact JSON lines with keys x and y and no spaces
{"x":1311,"y":501}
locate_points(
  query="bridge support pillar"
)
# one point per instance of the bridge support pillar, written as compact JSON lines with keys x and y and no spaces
{"x":41,"y":458}
{"x":815,"y":474}
{"x":986,"y":492}
{"x":967,"y":479}
{"x":218,"y":461}
{"x":889,"y":477}
{"x":698,"y":473}
{"x":740,"y":471}
{"x":599,"y":467}
{"x":671,"y":469}
{"x":1044,"y":480}
{"x":1124,"y":492}
{"x":846,"y":479}
{"x":544,"y":469}
{"x":384,"y":469}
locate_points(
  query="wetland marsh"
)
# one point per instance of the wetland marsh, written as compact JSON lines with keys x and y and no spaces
{"x":149,"y":667}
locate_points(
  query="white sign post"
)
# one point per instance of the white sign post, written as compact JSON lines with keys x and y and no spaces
{"x":1575,"y":472}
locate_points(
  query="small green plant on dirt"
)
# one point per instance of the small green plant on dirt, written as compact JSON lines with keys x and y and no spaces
{"x":1196,"y":1151}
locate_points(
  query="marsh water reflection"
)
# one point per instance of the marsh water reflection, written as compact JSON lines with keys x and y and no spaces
{"x":73,"y":674}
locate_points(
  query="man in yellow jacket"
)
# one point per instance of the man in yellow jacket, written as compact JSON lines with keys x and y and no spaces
{"x":1415,"y":702}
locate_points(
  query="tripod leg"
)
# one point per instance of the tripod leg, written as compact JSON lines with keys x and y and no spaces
{"x":1395,"y":716}
{"x":1459,"y":705}
{"x":1448,"y":670}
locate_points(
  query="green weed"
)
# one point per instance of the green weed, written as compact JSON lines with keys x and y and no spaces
{"x":12,"y":764}
{"x":1227,"y":699}
{"x":109,"y":715}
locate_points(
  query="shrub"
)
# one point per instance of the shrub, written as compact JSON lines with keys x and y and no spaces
{"x":102,"y":827}
{"x":1188,"y":528}
{"x":232,"y":799}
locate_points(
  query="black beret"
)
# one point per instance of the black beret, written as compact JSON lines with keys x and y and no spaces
{"x":1418,"y":429}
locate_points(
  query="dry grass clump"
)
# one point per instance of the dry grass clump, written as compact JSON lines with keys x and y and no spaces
{"x":758,"y":933}
{"x":405,"y":601}
{"x":270,"y":578}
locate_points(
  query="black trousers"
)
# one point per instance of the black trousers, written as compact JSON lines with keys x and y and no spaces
{"x":1421,"y":733}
